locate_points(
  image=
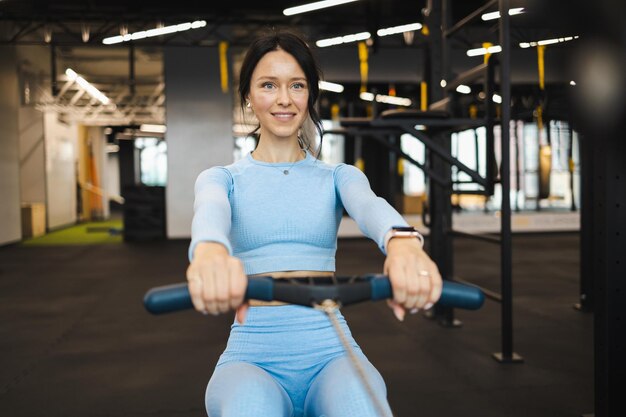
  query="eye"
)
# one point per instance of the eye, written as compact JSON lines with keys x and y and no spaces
{"x":267,"y":85}
{"x":299,"y":86}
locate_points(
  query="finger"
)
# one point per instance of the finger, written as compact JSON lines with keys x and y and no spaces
{"x":436,"y":287}
{"x":222,"y":290}
{"x":194,"y":283}
{"x":242,"y":312}
{"x":414,"y":287}
{"x":397,"y":309}
{"x":209,"y":293}
{"x":223,"y":277}
{"x":424,"y":277}
{"x":398,"y":282}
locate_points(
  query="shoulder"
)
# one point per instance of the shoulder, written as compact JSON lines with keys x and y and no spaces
{"x":347,"y":169}
{"x":345,"y":173}
{"x":217,"y":176}
{"x":216,"y":173}
{"x":223,"y":174}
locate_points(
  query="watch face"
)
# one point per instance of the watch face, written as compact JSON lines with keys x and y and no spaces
{"x":404,"y":229}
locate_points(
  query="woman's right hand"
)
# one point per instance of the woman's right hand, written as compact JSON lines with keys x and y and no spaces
{"x":217,"y":281}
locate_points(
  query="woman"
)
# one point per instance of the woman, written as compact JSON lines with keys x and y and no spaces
{"x":276,"y":212}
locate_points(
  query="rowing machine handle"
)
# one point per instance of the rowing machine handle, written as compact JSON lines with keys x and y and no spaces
{"x":176,"y":297}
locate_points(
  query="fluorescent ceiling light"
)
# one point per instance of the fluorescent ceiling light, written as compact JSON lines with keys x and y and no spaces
{"x":463,"y":89}
{"x":335,"y":88}
{"x":482,"y":51}
{"x":343,"y":39}
{"x":154,"y":32}
{"x":85,"y":85}
{"x":496,"y":15}
{"x":547,"y":41}
{"x":399,"y":29}
{"x":366,"y":35}
{"x":381,"y":98}
{"x":314,"y":6}
{"x":153,"y":128}
{"x":397,"y":101}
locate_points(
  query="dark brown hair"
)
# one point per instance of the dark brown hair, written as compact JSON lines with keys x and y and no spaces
{"x":296,"y":47}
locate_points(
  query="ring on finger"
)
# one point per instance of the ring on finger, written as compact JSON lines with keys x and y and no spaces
{"x":423,"y":273}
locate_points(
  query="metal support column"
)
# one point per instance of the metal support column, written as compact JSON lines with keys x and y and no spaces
{"x":53,"y":71}
{"x":506,"y":355}
{"x":435,"y":48}
{"x":440,"y":207}
{"x":439,"y":197}
{"x":587,"y":197}
{"x":609,"y":270}
{"x":131,"y":69}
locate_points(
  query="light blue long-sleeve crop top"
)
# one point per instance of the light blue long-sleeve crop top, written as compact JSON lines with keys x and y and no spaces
{"x":277,"y":222}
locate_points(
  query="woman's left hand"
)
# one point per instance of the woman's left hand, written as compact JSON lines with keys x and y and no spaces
{"x":415,"y":278}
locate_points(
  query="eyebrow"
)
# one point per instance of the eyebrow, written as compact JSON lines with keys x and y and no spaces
{"x":267,"y":77}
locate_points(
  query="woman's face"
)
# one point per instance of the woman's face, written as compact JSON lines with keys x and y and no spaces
{"x":279,"y":94}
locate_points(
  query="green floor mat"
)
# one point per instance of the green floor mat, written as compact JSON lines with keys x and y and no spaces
{"x":88,"y":233}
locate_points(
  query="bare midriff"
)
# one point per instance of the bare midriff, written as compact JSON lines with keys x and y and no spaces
{"x":283,"y":275}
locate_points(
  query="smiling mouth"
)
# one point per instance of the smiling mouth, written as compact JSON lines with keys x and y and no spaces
{"x":284,"y":115}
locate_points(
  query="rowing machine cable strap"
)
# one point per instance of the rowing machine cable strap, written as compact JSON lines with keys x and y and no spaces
{"x":330,"y":307}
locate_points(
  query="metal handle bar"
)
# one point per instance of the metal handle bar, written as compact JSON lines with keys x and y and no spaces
{"x":372,"y":287}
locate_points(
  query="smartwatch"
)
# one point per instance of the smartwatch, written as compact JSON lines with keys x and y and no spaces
{"x":403,"y":231}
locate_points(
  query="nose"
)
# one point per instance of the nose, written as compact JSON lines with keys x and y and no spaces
{"x":283,"y":98}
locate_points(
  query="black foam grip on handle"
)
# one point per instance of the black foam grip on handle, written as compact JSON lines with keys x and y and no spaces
{"x":176,"y":297}
{"x":168,"y":298}
{"x":453,"y":294}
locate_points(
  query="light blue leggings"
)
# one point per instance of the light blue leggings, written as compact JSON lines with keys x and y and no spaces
{"x":287,"y":361}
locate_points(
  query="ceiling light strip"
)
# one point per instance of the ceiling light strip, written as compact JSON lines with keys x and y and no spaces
{"x":343,"y":39}
{"x":496,"y":14}
{"x":464,"y":89}
{"x":328,"y":86}
{"x":314,"y":6}
{"x":399,"y":29}
{"x":547,"y":41}
{"x":497,"y":48}
{"x":165,"y":30}
{"x":85,"y":85}
{"x":366,"y":35}
{"x":482,"y":51}
{"x":381,"y":98}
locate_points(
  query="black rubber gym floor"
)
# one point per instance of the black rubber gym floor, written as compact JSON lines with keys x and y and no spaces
{"x":75,"y":340}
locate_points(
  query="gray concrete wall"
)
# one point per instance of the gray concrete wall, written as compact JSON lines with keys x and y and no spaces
{"x":199,"y":128}
{"x":32,"y":155}
{"x":61,"y":150}
{"x":10,"y":217}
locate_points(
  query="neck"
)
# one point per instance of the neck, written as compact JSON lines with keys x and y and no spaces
{"x":273,"y":152}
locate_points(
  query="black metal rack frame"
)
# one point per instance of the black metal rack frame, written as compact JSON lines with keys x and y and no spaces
{"x":440,"y":162}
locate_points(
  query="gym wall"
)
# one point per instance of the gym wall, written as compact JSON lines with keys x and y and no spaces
{"x":10,"y":217}
{"x":199,"y":127}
